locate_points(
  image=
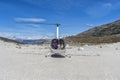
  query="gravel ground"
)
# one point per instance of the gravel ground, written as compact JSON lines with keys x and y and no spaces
{"x":97,"y":62}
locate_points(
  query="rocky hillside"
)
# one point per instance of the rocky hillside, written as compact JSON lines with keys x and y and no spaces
{"x":107,"y":33}
{"x":103,"y":30}
{"x":8,"y":40}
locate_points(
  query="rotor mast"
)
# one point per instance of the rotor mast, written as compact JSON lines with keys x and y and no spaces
{"x":57,"y":31}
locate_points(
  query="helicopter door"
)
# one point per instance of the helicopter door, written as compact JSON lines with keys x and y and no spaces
{"x":54,"y":44}
{"x":62,"y":43}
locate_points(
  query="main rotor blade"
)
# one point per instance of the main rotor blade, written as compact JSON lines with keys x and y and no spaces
{"x":79,"y":25}
{"x":71,"y":25}
{"x":56,"y":24}
{"x":34,"y":23}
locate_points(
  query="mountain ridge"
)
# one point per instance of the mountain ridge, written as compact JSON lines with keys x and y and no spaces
{"x":112,"y":28}
{"x":9,"y":40}
{"x":24,"y":41}
{"x":106,"y":33}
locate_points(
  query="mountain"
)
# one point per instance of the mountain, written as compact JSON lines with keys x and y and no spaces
{"x":103,"y":30}
{"x":38,"y":41}
{"x":9,"y":40}
{"x":24,"y":41}
{"x":107,"y":33}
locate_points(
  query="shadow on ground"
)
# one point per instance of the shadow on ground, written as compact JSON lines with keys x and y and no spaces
{"x":57,"y":56}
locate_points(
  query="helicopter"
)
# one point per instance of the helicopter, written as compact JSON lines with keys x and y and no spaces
{"x":57,"y":45}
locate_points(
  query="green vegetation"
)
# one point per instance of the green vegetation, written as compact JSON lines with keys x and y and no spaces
{"x":76,"y":40}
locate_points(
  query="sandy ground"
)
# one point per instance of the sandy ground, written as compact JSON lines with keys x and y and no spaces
{"x":98,"y":62}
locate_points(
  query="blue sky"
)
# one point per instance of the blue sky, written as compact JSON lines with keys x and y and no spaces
{"x":82,"y":12}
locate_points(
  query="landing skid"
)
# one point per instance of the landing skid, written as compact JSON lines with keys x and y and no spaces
{"x":57,"y":55}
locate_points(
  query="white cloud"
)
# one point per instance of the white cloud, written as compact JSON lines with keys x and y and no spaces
{"x":30,"y":19}
{"x":100,"y":9}
{"x":21,"y":36}
{"x":8,"y":34}
{"x":107,"y":5}
{"x":30,"y":34}
{"x":103,"y":9}
{"x":89,"y":25}
{"x":36,"y":26}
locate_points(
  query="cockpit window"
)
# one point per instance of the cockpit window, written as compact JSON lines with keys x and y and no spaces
{"x":62,"y":43}
{"x":54,"y":44}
